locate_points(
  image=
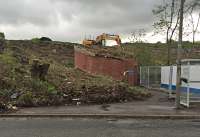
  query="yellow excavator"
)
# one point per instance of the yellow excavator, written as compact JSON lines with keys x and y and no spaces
{"x":88,"y":42}
{"x":101,"y":40}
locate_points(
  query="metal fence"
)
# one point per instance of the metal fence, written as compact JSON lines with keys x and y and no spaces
{"x":164,"y":77}
{"x":150,"y":76}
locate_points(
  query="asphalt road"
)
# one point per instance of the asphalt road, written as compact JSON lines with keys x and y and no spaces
{"x":98,"y":128}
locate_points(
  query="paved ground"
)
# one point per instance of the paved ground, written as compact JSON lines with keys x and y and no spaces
{"x":97,"y":128}
{"x":157,"y":105}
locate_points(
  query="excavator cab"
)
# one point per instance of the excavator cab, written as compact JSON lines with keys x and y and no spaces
{"x":102,"y":39}
{"x":89,"y":43}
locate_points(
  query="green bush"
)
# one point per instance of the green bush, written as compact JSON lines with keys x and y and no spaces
{"x":7,"y":58}
{"x":38,"y":86}
{"x":42,"y":87}
{"x":35,"y":40}
{"x":45,"y":39}
{"x":42,"y":39}
{"x":26,"y":100}
{"x":51,"y":89}
{"x":2,"y":36}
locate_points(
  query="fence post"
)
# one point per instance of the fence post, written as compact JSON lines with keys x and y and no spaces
{"x":170,"y":80}
{"x":188,"y":86}
{"x":148,"y":78}
{"x":140,"y":76}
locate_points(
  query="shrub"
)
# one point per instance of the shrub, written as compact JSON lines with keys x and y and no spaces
{"x":38,"y":86}
{"x":7,"y":58}
{"x":2,"y":36}
{"x":42,"y":39}
{"x":45,"y":39}
{"x":35,"y":40}
{"x":51,"y":89}
{"x":26,"y":100}
{"x":43,"y":87}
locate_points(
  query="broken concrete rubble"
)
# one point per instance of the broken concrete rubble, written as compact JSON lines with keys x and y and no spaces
{"x":102,"y":94}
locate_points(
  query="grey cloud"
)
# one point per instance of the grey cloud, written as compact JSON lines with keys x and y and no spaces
{"x":79,"y":16}
{"x":26,"y":11}
{"x":111,"y":14}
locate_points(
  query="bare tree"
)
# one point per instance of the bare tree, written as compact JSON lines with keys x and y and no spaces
{"x":168,"y":15}
{"x":138,"y":36}
{"x":194,"y":24}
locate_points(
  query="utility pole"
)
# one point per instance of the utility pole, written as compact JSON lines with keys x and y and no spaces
{"x":180,"y":42}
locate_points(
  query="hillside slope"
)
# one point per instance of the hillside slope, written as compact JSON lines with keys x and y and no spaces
{"x":157,"y":54}
{"x":63,"y":84}
{"x":149,"y":54}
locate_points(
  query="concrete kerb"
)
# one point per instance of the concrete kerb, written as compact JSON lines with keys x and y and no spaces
{"x":101,"y":116}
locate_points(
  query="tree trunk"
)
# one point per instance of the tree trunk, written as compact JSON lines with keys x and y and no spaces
{"x":168,"y":48}
{"x":39,"y":70}
{"x":179,"y":57}
{"x":193,"y":40}
{"x":168,"y":52}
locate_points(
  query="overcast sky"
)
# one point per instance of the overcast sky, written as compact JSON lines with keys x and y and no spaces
{"x":72,"y":20}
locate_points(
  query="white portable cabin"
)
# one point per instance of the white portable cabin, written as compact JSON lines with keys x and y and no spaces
{"x":190,"y":70}
{"x":190,"y":88}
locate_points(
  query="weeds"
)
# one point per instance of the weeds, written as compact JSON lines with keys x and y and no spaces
{"x":7,"y":58}
{"x":70,"y":63}
{"x":26,"y":100}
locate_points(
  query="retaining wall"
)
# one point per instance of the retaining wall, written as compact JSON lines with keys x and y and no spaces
{"x":118,"y":69}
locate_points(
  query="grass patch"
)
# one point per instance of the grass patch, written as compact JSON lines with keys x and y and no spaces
{"x":7,"y":58}
{"x":70,"y":63}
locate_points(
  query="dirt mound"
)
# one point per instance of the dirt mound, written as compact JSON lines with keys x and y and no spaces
{"x":62,"y":85}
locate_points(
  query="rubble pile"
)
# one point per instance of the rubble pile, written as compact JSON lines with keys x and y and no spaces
{"x":103,"y":94}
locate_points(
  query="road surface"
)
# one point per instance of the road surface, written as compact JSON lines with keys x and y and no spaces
{"x":98,"y":128}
